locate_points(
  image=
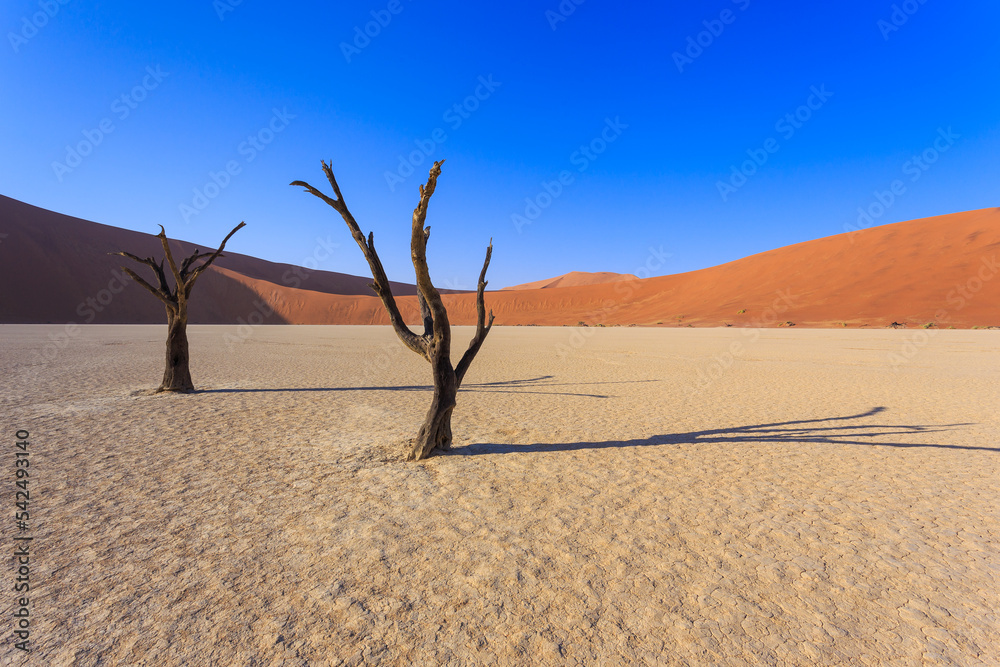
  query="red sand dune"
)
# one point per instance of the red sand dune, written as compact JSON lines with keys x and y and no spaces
{"x":574,"y":279}
{"x":942,"y":268}
{"x":56,"y":263}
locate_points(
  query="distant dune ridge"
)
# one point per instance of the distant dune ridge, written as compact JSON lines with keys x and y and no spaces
{"x":944,"y":269}
{"x":574,"y":279}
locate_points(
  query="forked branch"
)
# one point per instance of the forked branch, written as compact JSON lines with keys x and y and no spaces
{"x":160,"y":294}
{"x":184,"y":277}
{"x":186,"y":264}
{"x":435,"y":343}
{"x":188,"y":281}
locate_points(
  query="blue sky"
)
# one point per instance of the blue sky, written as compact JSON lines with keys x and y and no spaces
{"x":643,"y":114}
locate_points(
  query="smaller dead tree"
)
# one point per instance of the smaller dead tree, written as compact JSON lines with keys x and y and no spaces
{"x":434,"y":344}
{"x":177,"y":374}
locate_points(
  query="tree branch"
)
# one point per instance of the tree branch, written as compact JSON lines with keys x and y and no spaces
{"x":162,"y":277}
{"x":186,"y":265}
{"x":418,"y":252}
{"x":163,"y":292}
{"x":157,"y":293}
{"x":381,"y":281}
{"x":328,"y":170}
{"x":332,"y":202}
{"x":148,"y":261}
{"x":189,"y":283}
{"x":425,"y":316}
{"x":482,"y":328}
{"x":180,"y":295}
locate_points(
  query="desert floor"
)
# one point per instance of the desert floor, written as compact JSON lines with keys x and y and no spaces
{"x":626,"y":495}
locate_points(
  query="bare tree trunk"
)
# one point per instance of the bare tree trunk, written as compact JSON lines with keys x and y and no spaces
{"x":435,"y":433}
{"x":177,"y":374}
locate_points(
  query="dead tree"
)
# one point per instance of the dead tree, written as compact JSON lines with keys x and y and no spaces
{"x":434,"y":344}
{"x":177,"y":374}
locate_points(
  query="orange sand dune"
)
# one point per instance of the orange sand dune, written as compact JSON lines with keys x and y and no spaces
{"x":941,"y":269}
{"x":574,"y":279}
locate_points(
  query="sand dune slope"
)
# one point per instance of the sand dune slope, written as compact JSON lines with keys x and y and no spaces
{"x":941,"y":269}
{"x":63,"y":273}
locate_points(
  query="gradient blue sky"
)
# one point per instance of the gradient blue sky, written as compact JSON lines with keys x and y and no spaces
{"x":654,"y":186}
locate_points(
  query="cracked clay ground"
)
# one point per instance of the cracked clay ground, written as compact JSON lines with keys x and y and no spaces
{"x":607,"y":501}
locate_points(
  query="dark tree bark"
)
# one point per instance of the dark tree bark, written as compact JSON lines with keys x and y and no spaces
{"x":177,"y":373}
{"x":434,"y":344}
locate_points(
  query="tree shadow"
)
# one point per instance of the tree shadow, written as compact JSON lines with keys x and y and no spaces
{"x":523,"y":386}
{"x":820,"y":431}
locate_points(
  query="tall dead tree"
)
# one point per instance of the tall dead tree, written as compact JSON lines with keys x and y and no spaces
{"x":177,"y":374}
{"x":434,"y":344}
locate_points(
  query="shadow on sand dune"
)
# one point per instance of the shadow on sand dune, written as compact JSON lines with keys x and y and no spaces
{"x":822,"y":431}
{"x":505,"y":387}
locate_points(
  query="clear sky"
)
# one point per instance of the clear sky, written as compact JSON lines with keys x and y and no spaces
{"x":122,"y":112}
